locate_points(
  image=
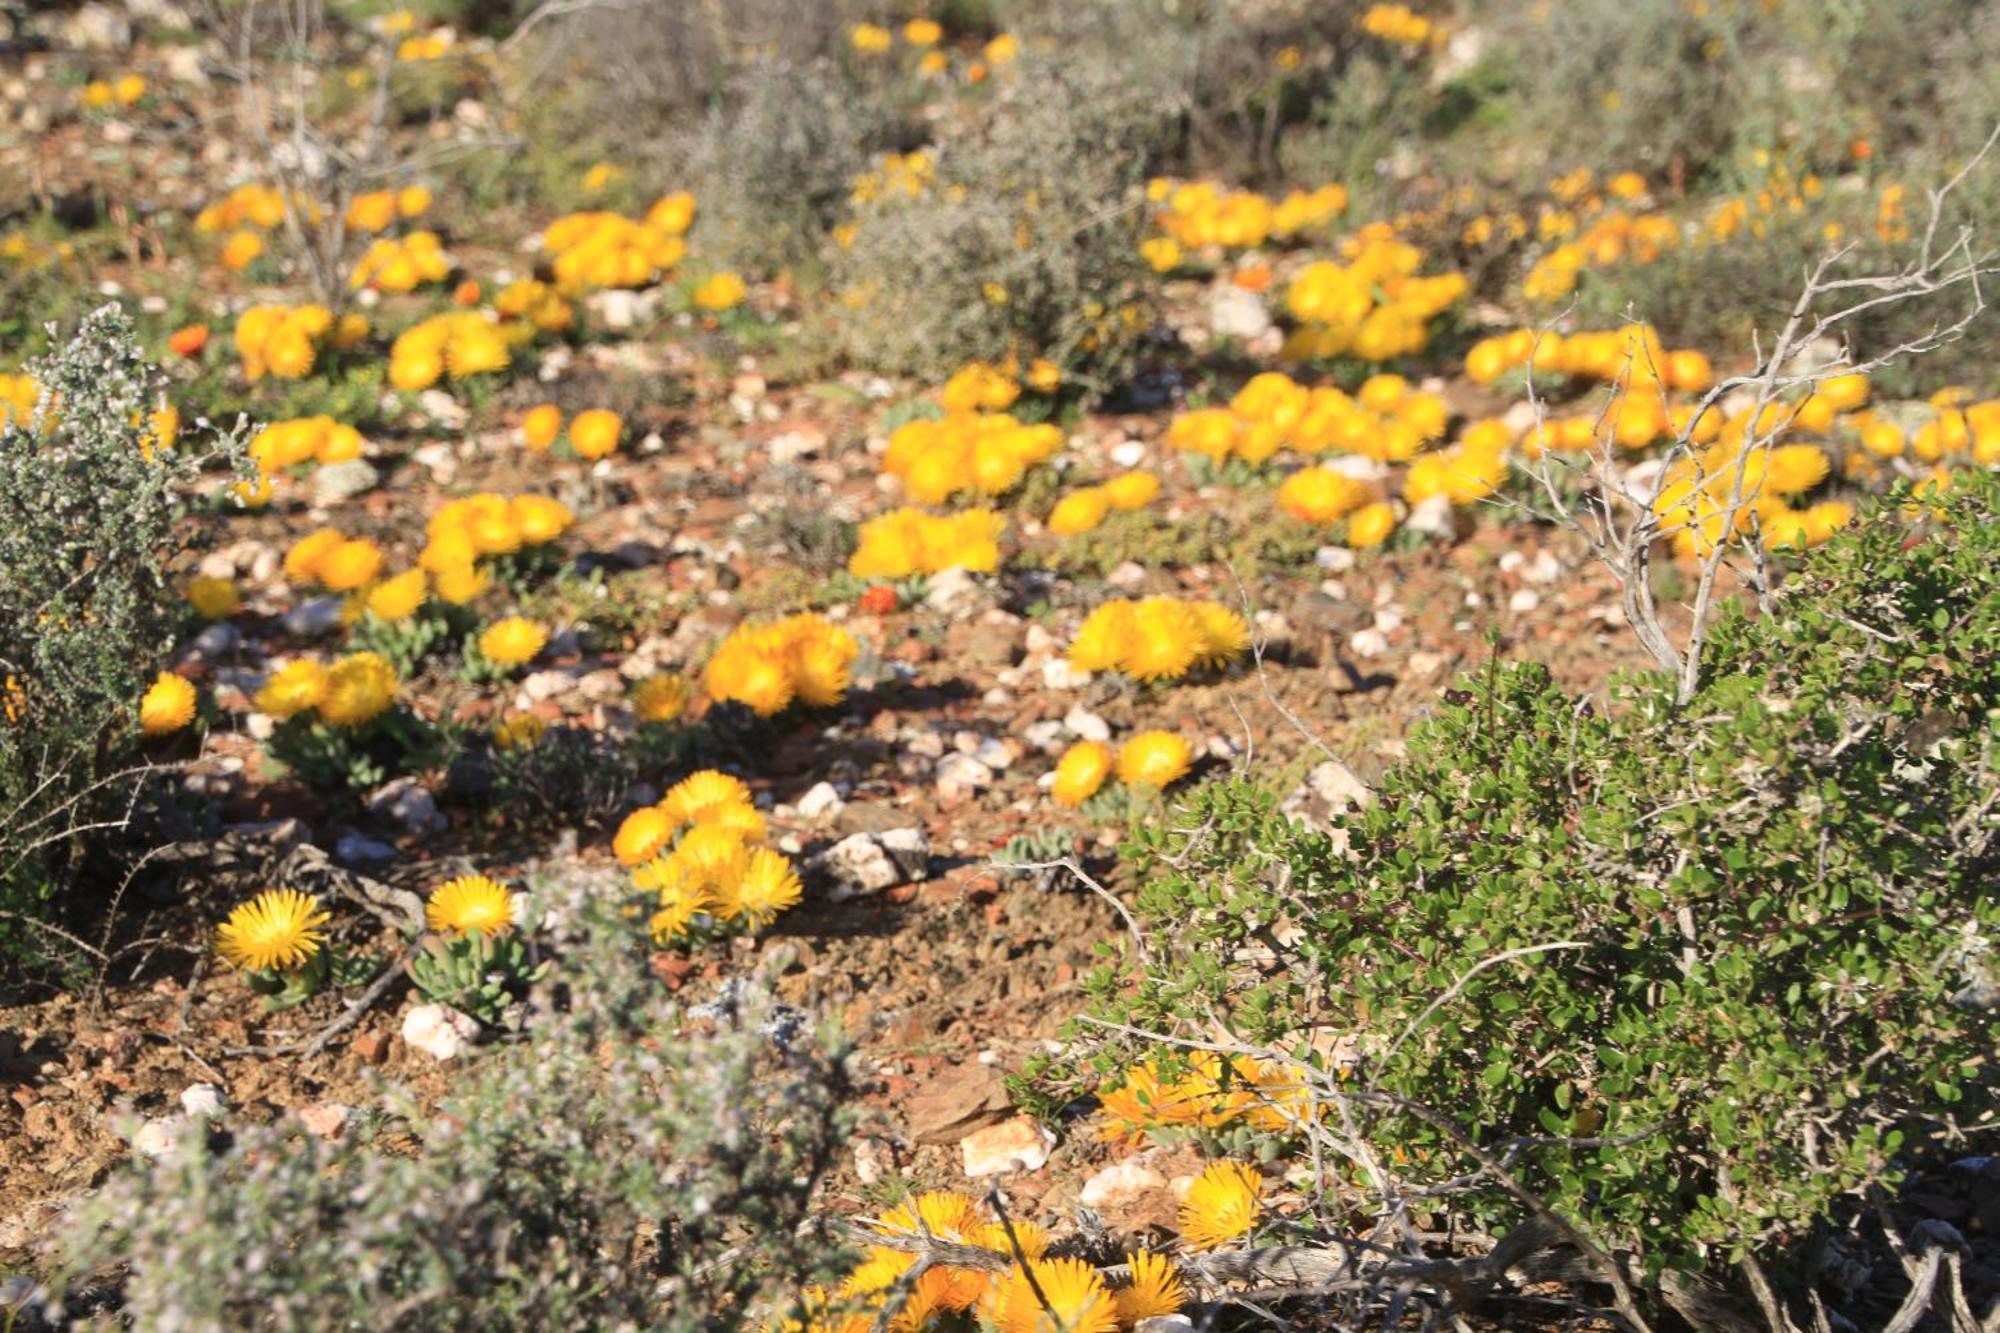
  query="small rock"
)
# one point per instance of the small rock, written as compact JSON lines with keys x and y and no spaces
{"x":1045,"y":736}
{"x":438,"y":459}
{"x":1120,"y":1184}
{"x":1433,"y":517}
{"x":821,"y":801}
{"x":98,"y":27}
{"x":1020,"y":1144}
{"x":953,"y":591}
{"x":203,"y":1101}
{"x":442,"y":408}
{"x":619,"y":309}
{"x":221,"y":639}
{"x":1086,"y":725}
{"x":1234,"y":312}
{"x":959,"y":775}
{"x":1369,"y":642}
{"x":337,"y":483}
{"x":1058,"y":674}
{"x":868,"y":862}
{"x":1524,"y":600}
{"x":958,"y":1102}
{"x":1164,"y":1323}
{"x":355,"y":849}
{"x":1128,"y":453}
{"x":439,"y":1031}
{"x":370,"y":1047}
{"x":537,"y":686}
{"x":1328,"y":789}
{"x":409,"y":804}
{"x":795,"y":444}
{"x":1040,"y":642}
{"x":325,"y":1120}
{"x":1130,"y":574}
{"x":994,"y":753}
{"x":158,"y":1137}
{"x":309,"y":620}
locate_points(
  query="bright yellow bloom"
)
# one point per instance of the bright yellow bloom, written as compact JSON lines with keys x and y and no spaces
{"x":700,"y":798}
{"x":1079,"y":512}
{"x":1075,"y":1296}
{"x":212,"y":598}
{"x":168,"y":705}
{"x":1132,"y":490}
{"x":470,"y":903}
{"x":349,"y":565}
{"x":594,"y":434}
{"x":643,"y":835}
{"x":660,"y":698}
{"x":293,"y":688}
{"x":1154,"y":759}
{"x":512,"y":641}
{"x":523,"y":731}
{"x":359,"y":688}
{"x":767,"y":886}
{"x":1080,"y":772}
{"x":1371,"y":524}
{"x":1155,"y":1289}
{"x":719,"y":292}
{"x":1221,"y":1205}
{"x":398,"y":598}
{"x":540,"y":427}
{"x":303,"y":560}
{"x":278,"y":930}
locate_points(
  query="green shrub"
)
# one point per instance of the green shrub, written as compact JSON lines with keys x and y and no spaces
{"x":621,"y":1167}
{"x":1764,"y":922}
{"x":1024,"y":242}
{"x":93,"y":523}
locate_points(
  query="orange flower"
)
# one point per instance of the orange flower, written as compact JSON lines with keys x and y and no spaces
{"x":188,"y":341}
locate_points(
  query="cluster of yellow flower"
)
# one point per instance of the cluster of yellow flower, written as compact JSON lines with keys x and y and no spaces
{"x":593,"y":433}
{"x":765,"y":667}
{"x":661,"y":698}
{"x":1200,"y":214}
{"x":1727,"y":489}
{"x":605,"y":249}
{"x":1207,"y":1093}
{"x":401,"y":264}
{"x":1152,"y":759}
{"x":1373,"y":307}
{"x":458,"y":343}
{"x":512,"y":641}
{"x":909,"y":541}
{"x":1158,"y":638}
{"x":330,"y":558}
{"x":103,"y":94}
{"x":982,"y":387}
{"x":1609,"y":354}
{"x":379,"y":209}
{"x":286,"y":444}
{"x":1321,"y":495}
{"x":984,"y":452}
{"x":284,"y":341}
{"x":719,"y":292}
{"x":434,"y":45}
{"x":1386,"y":420}
{"x":475,"y":527}
{"x":1401,"y":25}
{"x":1082,"y":510}
{"x":698,"y":852}
{"x":351,"y":692}
{"x":1956,"y":427}
{"x":537,"y":302}
{"x":894,"y":176}
{"x":250,"y":205}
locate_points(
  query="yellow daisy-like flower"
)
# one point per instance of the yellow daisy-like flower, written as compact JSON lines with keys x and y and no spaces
{"x":512,"y":641}
{"x":1155,"y":1289}
{"x":168,"y":705}
{"x":1153,"y":759}
{"x":719,"y":292}
{"x":398,"y":598}
{"x":757,"y":680}
{"x":767,"y":886}
{"x":1225,"y":635}
{"x":661,"y":698}
{"x":469,"y":903}
{"x":302,"y":561}
{"x":1220,"y":1206}
{"x":1132,"y":490}
{"x":523,"y":731}
{"x":350,"y":564}
{"x":1100,"y":641}
{"x":279,"y":929}
{"x":1164,"y":641}
{"x":700,"y":798}
{"x":1080,"y":772}
{"x":711,"y":854}
{"x":211,"y":598}
{"x":1073,"y":1299}
{"x":358,"y":688}
{"x":643,"y":836}
{"x":293,"y":688}
{"x":594,"y":434}
{"x":678,"y":908}
{"x":459,"y":584}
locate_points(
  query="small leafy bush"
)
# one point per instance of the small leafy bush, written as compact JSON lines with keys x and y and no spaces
{"x":1699,"y":972}
{"x":620,"y":1167}
{"x":94,"y":522}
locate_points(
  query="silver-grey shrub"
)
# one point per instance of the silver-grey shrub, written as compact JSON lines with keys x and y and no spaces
{"x":620,"y":1167}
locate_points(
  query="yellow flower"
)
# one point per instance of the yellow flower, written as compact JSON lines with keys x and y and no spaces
{"x":643,"y":835}
{"x":279,"y":929}
{"x":240,"y":251}
{"x":1155,"y":1289}
{"x":1165,"y":639}
{"x":1003,"y":49}
{"x":719,"y":292}
{"x":1371,"y":524}
{"x":1225,"y":635}
{"x":523,"y":731}
{"x":1320,"y":495}
{"x":701,"y":798}
{"x":470,"y":903}
{"x":1072,"y":1299}
{"x":923,"y":32}
{"x":459,"y":584}
{"x":1100,"y":641}
{"x":1161,"y":253}
{"x":758,"y":680}
{"x":294,"y":688}
{"x":512,"y":641}
{"x":358,"y":688}
{"x":212,"y":598}
{"x":871,"y":39}
{"x":594,"y":434}
{"x":349,"y":565}
{"x":767,"y":886}
{"x":660,"y":698}
{"x":541,"y":426}
{"x":1080,"y":772}
{"x":167,"y":706}
{"x":1220,"y":1206}
{"x":303,"y":560}
{"x":1153,"y":759}
{"x":398,"y":598}
{"x":1132,"y":490}
{"x":1079,"y":512}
